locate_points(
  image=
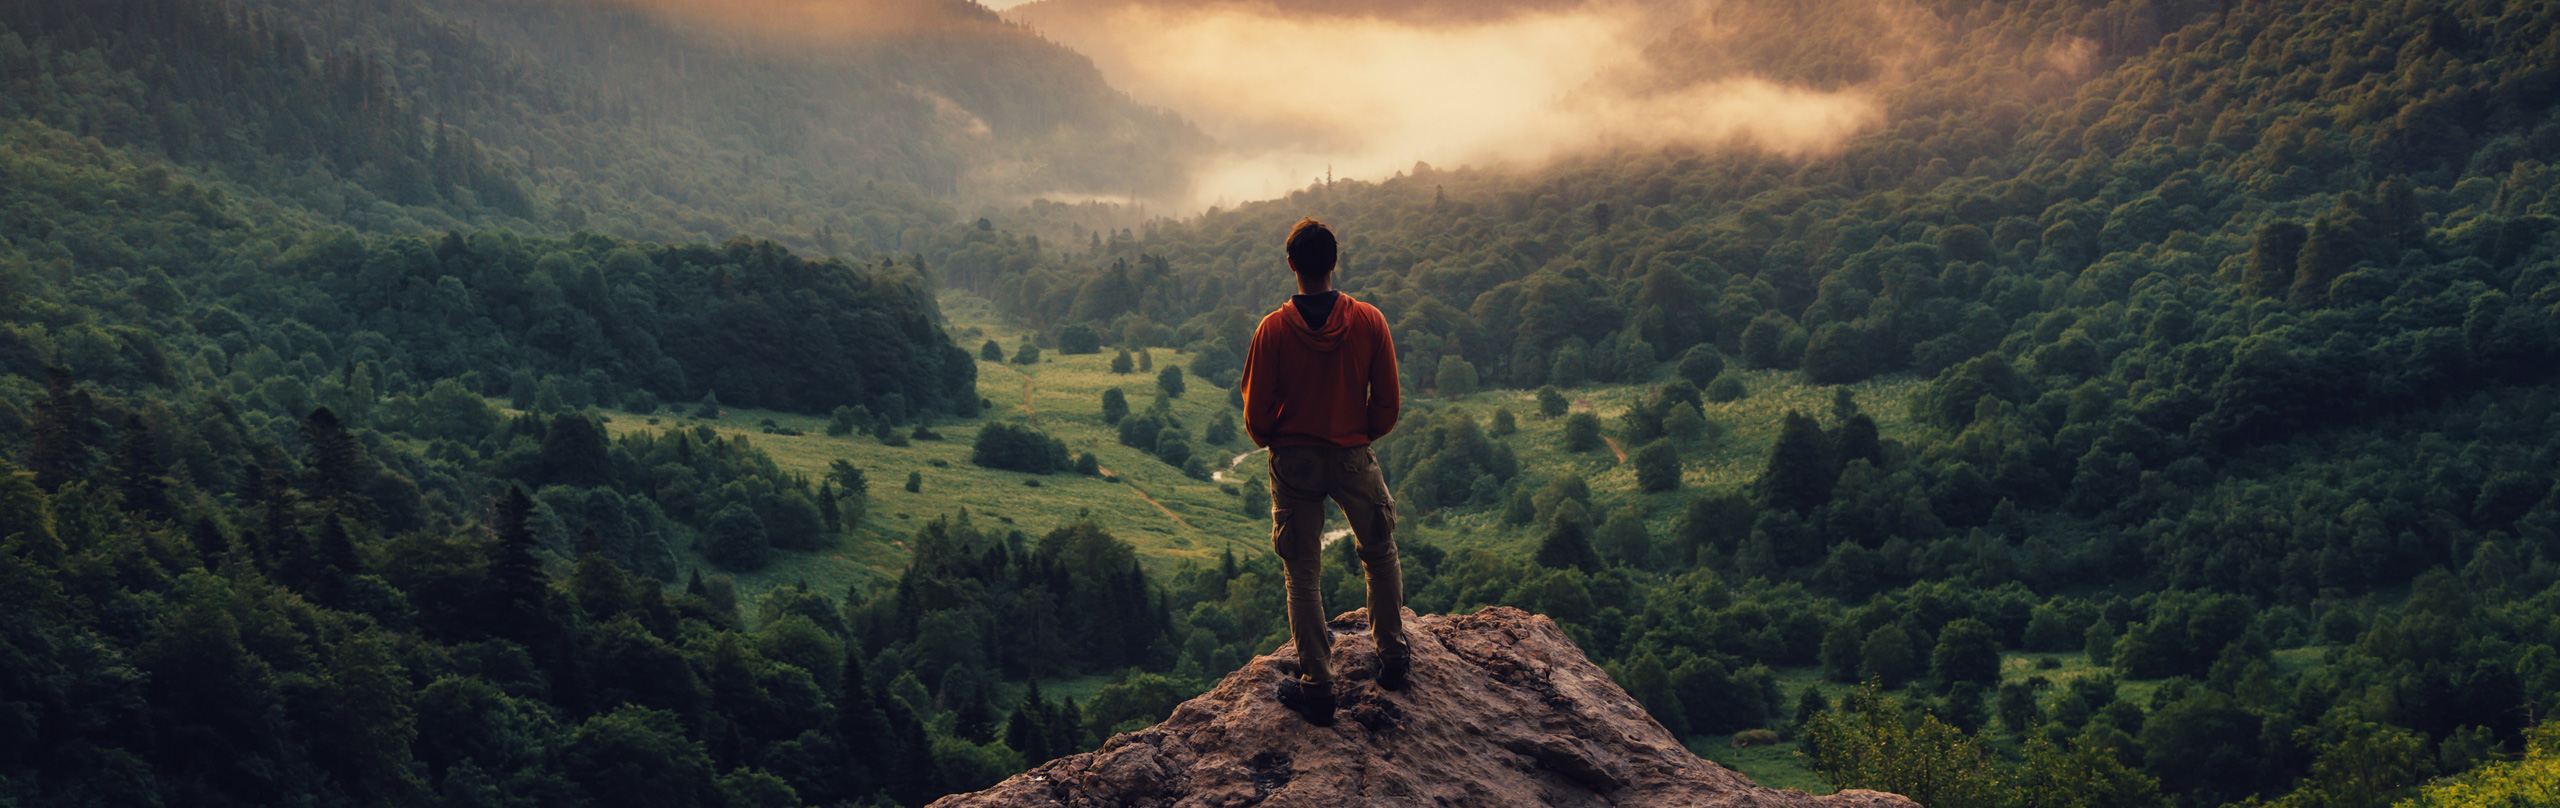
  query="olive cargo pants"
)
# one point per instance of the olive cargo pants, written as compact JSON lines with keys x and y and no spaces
{"x":1302,"y":478}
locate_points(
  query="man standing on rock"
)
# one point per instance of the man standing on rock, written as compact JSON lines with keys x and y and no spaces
{"x":1319,"y":386}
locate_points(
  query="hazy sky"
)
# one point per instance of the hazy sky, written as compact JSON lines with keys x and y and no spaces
{"x":1291,"y":96}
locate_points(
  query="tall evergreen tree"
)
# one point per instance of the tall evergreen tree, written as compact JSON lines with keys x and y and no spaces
{"x":336,"y":461}
{"x":1800,"y":472}
{"x":516,"y":580}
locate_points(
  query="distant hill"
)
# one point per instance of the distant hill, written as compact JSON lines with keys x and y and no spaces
{"x":407,"y":115}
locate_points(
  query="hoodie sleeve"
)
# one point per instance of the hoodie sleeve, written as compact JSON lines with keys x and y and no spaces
{"x":1261,"y":399}
{"x":1386,"y":394}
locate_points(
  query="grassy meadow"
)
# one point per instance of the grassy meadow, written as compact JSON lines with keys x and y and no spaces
{"x":1175,"y":520}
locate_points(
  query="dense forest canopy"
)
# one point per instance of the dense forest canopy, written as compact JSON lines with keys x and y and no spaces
{"x":358,"y":363}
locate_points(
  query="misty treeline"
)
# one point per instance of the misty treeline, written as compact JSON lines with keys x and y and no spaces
{"x":409,"y":117}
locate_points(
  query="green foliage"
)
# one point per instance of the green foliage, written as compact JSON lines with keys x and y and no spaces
{"x":1169,"y":382}
{"x":1657,"y":466}
{"x":1456,"y":377}
{"x":2535,"y":780}
{"x":1115,"y":406}
{"x":1581,"y":432}
{"x":1966,"y":652}
{"x":1869,"y":741}
{"x":1004,"y":446}
{"x":1551,"y":404}
{"x":1028,"y":355}
{"x":1801,"y":468}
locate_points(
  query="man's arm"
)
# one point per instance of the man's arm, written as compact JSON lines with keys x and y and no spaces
{"x":1261,"y":402}
{"x":1386,"y":394}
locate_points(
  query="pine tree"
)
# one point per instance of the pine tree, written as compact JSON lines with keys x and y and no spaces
{"x":870,"y":743}
{"x":140,"y":477}
{"x":336,"y":460}
{"x":56,"y":452}
{"x":516,"y":579}
{"x":1800,"y":472}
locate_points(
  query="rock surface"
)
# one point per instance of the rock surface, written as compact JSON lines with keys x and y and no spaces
{"x":1504,"y":710}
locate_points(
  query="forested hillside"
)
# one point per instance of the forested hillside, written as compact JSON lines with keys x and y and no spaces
{"x":359,"y":361}
{"x":2238,"y":326}
{"x":410,"y":116}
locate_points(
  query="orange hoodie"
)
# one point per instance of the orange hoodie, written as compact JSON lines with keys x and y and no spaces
{"x":1328,"y":386}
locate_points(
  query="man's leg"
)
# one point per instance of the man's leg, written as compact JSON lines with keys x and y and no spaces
{"x":1361,"y":489}
{"x":1297,"y":535}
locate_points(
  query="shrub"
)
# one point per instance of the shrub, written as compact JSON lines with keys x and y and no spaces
{"x":1582,"y":432}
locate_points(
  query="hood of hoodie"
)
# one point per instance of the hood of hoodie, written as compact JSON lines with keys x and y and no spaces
{"x":1337,"y":324}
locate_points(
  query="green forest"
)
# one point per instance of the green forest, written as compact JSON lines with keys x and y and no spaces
{"x":542,"y":403}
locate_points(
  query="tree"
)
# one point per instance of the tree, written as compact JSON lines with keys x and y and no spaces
{"x":1221,"y":429}
{"x":1800,"y":471}
{"x":515,"y":573}
{"x":991,"y":352}
{"x":1582,"y":432}
{"x":1079,"y":339}
{"x":1624,"y":540}
{"x":1726,"y":388}
{"x":736,"y":540}
{"x":1504,"y":425}
{"x":2273,"y":249}
{"x":1887,"y":656}
{"x":1685,"y":423}
{"x":1966,"y":652}
{"x":1457,"y":377}
{"x":1115,"y":406}
{"x":1028,"y":355}
{"x":915,"y":482}
{"x":709,"y":407}
{"x":1701,"y":364}
{"x":1568,"y":544}
{"x":1550,"y":402}
{"x":337,"y":462}
{"x":1657,"y":467}
{"x":1122,"y":363}
{"x":1870,"y":741}
{"x":1169,"y":381}
{"x":638,"y":757}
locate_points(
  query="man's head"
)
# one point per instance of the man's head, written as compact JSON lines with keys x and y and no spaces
{"x":1311,"y":248}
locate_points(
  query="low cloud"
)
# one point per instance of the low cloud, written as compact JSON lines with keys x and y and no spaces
{"x":1292,"y":95}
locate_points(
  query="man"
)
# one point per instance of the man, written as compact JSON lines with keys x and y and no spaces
{"x":1319,"y":386}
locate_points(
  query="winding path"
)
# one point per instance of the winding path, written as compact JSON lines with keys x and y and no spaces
{"x":1142,"y":494}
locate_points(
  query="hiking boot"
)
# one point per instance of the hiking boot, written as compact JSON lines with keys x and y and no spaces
{"x":1393,"y":671}
{"x":1308,"y":699}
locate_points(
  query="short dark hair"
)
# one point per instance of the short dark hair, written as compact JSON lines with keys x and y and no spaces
{"x":1311,"y":247}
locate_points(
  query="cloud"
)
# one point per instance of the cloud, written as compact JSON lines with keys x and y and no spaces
{"x":1291,"y":94}
{"x":823,"y":20}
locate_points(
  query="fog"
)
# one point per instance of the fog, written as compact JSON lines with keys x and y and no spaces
{"x":1293,"y":95}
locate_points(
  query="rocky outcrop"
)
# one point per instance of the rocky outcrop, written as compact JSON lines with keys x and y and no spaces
{"x":1503,"y":711}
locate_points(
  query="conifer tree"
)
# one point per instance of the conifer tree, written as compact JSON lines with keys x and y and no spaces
{"x":140,"y":477}
{"x":1800,"y":472}
{"x":56,"y":452}
{"x":516,"y":579}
